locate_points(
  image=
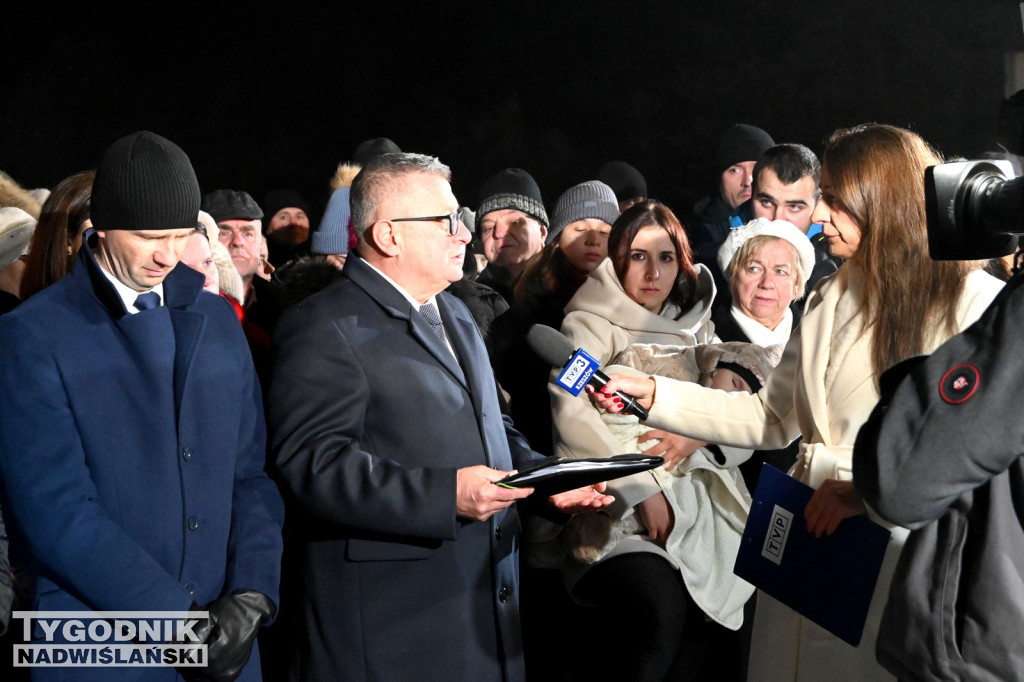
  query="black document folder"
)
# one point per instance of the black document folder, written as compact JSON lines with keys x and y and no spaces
{"x":558,"y":474}
{"x":828,"y":580}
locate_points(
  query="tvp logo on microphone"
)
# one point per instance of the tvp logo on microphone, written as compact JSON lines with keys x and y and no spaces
{"x":112,"y":639}
{"x":577,"y":372}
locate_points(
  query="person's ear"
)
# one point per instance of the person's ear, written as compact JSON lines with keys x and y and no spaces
{"x":386,"y":237}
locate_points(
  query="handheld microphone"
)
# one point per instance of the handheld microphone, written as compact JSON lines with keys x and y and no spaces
{"x":579,"y":369}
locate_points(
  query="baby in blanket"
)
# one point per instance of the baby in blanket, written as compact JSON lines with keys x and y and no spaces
{"x":705,"y":491}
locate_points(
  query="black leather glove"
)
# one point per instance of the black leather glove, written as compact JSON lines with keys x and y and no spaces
{"x":229,"y":634}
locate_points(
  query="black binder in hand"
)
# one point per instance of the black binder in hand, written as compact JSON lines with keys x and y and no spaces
{"x":558,"y":474}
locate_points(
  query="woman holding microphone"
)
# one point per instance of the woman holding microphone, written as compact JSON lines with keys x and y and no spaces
{"x":888,"y":302}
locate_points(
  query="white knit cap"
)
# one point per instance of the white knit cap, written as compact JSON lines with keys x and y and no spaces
{"x":16,"y":228}
{"x":771,"y":228}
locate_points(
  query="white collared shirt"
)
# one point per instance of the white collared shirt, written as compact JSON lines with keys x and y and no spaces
{"x":127,"y":294}
{"x":413,"y":302}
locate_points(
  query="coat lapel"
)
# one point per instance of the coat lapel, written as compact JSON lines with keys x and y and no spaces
{"x":465,"y":337}
{"x":424,"y":333}
{"x":398,"y":306}
{"x":461,"y":332}
{"x":181,"y":287}
{"x":815,"y":336}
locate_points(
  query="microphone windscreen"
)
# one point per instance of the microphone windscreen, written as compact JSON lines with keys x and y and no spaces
{"x":550,"y":345}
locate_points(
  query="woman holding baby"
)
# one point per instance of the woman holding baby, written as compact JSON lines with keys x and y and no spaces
{"x":648,"y":291}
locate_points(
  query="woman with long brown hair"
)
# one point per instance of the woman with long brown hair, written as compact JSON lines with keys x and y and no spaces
{"x":649,"y":291}
{"x":889,"y":301}
{"x":58,"y":236}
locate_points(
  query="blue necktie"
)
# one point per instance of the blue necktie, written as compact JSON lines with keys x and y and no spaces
{"x":430,"y":314}
{"x":148,"y":300}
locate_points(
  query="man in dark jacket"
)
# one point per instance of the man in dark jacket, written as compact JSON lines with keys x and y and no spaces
{"x":739,"y":148}
{"x":132,"y":441}
{"x":786,"y":188}
{"x":388,"y":440}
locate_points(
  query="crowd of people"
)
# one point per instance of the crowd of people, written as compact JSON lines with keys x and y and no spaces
{"x":299,"y":425}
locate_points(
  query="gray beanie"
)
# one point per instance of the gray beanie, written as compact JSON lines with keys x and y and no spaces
{"x":468,"y":217}
{"x":591,"y":199}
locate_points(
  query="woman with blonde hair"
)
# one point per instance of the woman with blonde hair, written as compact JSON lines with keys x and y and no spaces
{"x":889,"y":301}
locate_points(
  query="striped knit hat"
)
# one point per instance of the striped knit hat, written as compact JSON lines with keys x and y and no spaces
{"x":512,"y":188}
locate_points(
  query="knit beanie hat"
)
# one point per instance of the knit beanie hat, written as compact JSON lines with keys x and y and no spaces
{"x":369,"y":149}
{"x":144,"y":182}
{"x":468,"y":218}
{"x":625,"y":180}
{"x":741,"y":143}
{"x":276,"y":199}
{"x":512,"y":188}
{"x":592,"y":199}
{"x":772,"y":228}
{"x":228,"y":204}
{"x":331,"y":237}
{"x":16,"y":228}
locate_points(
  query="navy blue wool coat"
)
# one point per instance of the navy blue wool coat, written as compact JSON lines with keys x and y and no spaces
{"x":132,"y":450}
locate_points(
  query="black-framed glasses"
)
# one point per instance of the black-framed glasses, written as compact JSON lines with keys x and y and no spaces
{"x":452,"y":218}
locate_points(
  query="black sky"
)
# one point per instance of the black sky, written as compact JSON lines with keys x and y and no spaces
{"x":277,"y":97}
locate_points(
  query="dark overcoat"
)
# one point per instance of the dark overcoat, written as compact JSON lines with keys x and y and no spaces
{"x":132,"y":450}
{"x":371,"y":416}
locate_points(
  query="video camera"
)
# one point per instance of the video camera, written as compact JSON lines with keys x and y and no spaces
{"x":975,"y":210}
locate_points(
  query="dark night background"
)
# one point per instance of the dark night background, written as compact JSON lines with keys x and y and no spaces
{"x":279,"y":95}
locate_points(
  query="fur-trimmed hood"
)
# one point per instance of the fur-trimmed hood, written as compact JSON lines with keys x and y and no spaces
{"x":12,"y":194}
{"x":345,"y":174}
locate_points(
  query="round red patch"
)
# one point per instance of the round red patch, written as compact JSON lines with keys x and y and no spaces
{"x":959,"y":384}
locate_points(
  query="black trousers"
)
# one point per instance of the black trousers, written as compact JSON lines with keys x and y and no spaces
{"x":648,"y":627}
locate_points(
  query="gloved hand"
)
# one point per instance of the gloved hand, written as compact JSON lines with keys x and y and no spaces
{"x":229,"y":634}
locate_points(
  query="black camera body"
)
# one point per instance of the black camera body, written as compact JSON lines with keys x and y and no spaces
{"x":975,"y":209}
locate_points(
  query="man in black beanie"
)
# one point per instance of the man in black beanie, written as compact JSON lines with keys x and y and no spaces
{"x":512,"y":225}
{"x":739,"y":148}
{"x":626,"y":181}
{"x":132,"y":440}
{"x":285,"y":225}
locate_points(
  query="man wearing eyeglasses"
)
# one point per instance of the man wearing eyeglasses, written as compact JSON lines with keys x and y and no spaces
{"x":388,"y":440}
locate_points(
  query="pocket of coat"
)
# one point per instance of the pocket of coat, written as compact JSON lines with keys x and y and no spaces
{"x":950,"y":613}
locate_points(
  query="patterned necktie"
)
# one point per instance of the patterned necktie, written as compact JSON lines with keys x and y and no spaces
{"x":148,"y":300}
{"x":430,"y":314}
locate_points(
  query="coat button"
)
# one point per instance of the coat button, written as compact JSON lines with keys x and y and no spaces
{"x":193,"y":523}
{"x":190,"y":588}
{"x":503,"y":594}
{"x":186,"y":454}
{"x":497,"y":533}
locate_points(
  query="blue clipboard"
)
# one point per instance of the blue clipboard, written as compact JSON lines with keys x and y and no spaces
{"x":828,"y":580}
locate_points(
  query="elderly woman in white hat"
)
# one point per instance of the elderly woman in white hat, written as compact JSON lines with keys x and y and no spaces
{"x":767,"y":263}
